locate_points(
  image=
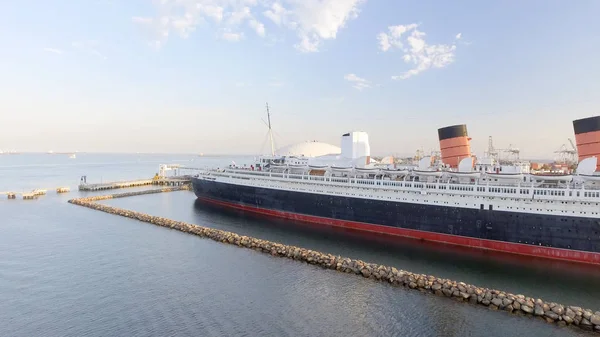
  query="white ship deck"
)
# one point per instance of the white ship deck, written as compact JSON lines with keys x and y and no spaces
{"x":521,"y":197}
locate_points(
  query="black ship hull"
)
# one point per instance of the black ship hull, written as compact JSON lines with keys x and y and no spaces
{"x":558,"y":237}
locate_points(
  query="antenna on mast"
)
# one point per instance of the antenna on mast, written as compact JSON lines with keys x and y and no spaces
{"x":270,"y":131}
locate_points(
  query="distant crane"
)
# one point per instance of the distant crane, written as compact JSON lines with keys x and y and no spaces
{"x":572,"y":145}
{"x":418,"y":155}
{"x":513,"y":153}
{"x":492,"y":152}
{"x":566,"y":155}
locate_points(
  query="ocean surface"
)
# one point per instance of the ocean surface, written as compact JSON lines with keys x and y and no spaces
{"x":71,"y":271}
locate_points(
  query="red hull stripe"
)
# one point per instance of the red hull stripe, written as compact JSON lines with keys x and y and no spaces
{"x":507,"y":247}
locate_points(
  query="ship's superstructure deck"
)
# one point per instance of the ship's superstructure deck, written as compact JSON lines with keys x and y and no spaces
{"x":570,"y":200}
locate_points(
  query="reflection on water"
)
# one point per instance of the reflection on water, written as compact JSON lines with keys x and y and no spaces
{"x":72,"y":271}
{"x":532,"y":276}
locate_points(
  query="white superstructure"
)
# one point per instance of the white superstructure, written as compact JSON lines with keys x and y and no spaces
{"x":573,"y":199}
{"x":486,"y":185}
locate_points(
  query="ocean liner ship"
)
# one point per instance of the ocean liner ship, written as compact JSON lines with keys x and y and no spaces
{"x":464,"y":201}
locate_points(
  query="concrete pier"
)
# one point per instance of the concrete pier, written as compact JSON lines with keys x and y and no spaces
{"x":493,"y":299}
{"x":114,"y":185}
{"x":178,"y":181}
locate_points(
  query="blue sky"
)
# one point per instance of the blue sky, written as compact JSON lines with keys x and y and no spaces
{"x":194,"y":75}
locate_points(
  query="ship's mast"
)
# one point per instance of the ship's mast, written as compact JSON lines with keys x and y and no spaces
{"x":270,"y":131}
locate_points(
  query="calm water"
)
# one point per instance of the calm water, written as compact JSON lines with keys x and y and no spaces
{"x":70,"y":271}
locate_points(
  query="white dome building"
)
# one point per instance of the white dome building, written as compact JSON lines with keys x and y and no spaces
{"x":308,"y":149}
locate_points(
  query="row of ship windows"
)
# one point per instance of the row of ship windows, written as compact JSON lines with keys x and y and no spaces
{"x":470,"y":188}
{"x":467,"y":188}
{"x":447,"y":203}
{"x":591,"y":194}
{"x":462,"y":188}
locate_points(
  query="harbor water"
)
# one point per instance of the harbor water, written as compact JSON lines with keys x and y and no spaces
{"x":71,"y":271}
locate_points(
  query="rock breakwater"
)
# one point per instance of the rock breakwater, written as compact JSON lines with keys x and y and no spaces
{"x":494,"y":299}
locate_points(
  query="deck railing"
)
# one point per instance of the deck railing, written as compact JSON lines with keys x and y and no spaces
{"x":488,"y":189}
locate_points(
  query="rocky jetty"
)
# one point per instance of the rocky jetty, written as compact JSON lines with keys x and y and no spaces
{"x":491,"y":298}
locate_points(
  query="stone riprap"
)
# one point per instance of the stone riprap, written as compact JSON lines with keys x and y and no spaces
{"x":491,"y":298}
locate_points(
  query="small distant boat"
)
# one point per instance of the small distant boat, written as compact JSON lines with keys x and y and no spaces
{"x":73,"y":156}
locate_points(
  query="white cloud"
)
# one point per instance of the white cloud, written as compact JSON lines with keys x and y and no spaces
{"x":258,"y":27}
{"x":182,"y":17}
{"x":231,"y":36}
{"x":54,"y":50}
{"x":417,"y":51}
{"x":357,"y":82}
{"x":276,"y":13}
{"x":313,"y":21}
{"x":239,"y":16}
{"x":90,"y":47}
{"x":384,"y":41}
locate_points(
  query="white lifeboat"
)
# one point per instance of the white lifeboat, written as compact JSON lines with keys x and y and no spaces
{"x":472,"y":174}
{"x":465,"y":169}
{"x":552,"y":177}
{"x":505,"y":176}
{"x":367,"y":170}
{"x":342,"y":169}
{"x":318,"y":167}
{"x":428,"y":173}
{"x":589,"y":177}
{"x":396,"y":171}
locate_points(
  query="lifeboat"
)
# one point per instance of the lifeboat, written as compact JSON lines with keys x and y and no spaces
{"x":318,"y":167}
{"x":553,"y":177}
{"x":396,"y":171}
{"x":505,"y":176}
{"x":589,"y":177}
{"x":464,"y":174}
{"x":342,"y":169}
{"x":427,"y":173}
{"x":367,"y":170}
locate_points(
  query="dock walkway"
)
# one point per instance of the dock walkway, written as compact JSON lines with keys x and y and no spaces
{"x":171,"y":181}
